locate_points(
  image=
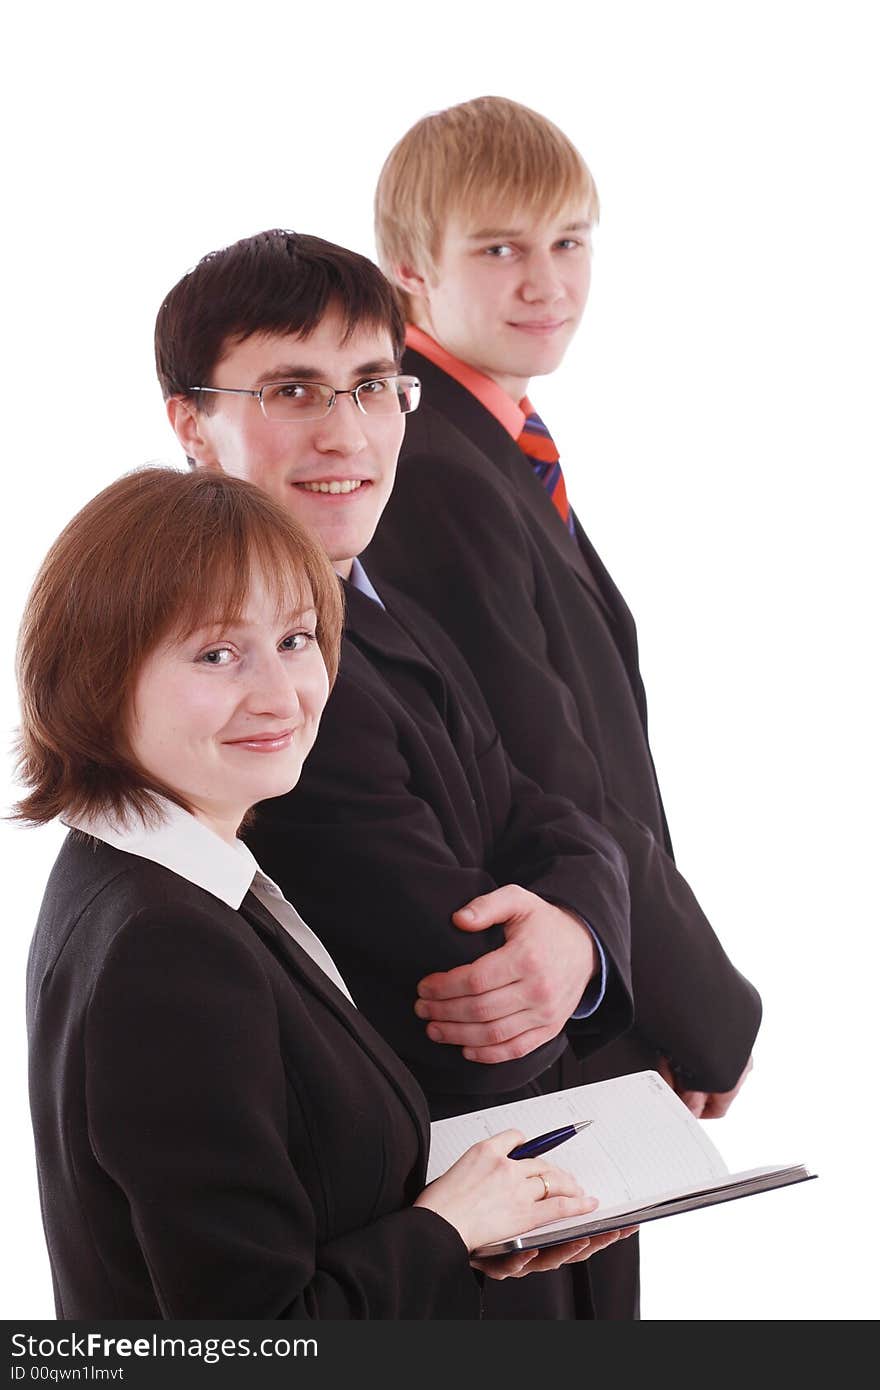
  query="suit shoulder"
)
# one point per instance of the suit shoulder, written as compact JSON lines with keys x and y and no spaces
{"x":87,"y":869}
{"x":96,"y":891}
{"x":434,"y":445}
{"x":111,"y":916}
{"x":431,"y":638}
{"x":447,"y":502}
{"x":357,"y":747}
{"x":358,"y":691}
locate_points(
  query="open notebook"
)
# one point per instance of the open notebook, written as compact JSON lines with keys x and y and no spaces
{"x":644,"y":1155}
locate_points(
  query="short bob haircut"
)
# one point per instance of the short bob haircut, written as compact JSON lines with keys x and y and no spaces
{"x":274,"y":282}
{"x":489,"y":157}
{"x":156,"y":555}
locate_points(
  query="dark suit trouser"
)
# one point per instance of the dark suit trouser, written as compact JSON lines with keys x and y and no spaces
{"x":610,"y":1291}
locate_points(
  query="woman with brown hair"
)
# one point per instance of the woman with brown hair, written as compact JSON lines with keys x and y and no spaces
{"x":219,"y":1132}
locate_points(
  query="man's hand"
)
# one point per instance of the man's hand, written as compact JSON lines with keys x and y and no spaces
{"x":516,"y":998}
{"x":706,"y":1105}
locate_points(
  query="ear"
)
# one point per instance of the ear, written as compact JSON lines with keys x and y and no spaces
{"x":192,"y":430}
{"x":408,"y":279}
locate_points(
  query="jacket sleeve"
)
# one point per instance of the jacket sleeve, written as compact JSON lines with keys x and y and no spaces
{"x":190,"y":1116}
{"x":479,"y":582}
{"x":567,"y":858}
{"x":386,"y":915}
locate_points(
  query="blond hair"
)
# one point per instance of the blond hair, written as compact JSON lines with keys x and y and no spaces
{"x":490,"y":155}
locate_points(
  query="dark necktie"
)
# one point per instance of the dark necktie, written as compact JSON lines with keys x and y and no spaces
{"x":536,"y":442}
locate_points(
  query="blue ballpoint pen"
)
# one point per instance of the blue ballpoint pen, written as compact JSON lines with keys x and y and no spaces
{"x":542,"y":1142}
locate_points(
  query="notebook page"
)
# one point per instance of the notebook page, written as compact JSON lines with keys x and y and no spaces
{"x":643,"y":1140}
{"x":749,"y":1179}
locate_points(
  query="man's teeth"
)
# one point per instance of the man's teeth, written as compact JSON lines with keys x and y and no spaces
{"x":348,"y":485}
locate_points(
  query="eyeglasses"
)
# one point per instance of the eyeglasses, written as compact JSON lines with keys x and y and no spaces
{"x":287,"y":401}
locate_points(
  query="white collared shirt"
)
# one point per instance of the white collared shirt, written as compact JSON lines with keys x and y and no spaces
{"x":187,"y":847}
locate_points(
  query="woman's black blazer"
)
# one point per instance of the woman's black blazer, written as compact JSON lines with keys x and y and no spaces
{"x":219,"y":1132}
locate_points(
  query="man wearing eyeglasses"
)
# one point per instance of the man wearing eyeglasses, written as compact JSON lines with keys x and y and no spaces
{"x":481,"y":925}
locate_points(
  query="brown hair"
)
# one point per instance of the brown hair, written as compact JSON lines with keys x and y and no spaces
{"x":490,"y":155}
{"x":157,"y":554}
{"x":274,"y":282}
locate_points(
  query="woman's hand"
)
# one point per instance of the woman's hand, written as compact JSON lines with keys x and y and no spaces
{"x":522,"y":1262}
{"x":487,"y":1196}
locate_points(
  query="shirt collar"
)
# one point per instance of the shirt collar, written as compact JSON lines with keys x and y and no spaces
{"x":185,"y":846}
{"x":359,"y":579}
{"x":508,"y":414}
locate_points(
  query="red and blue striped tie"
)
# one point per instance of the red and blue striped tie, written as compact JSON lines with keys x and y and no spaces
{"x":537,"y":443}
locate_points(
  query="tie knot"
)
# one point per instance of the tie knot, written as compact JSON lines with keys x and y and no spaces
{"x":536,"y":440}
{"x":533,"y":424}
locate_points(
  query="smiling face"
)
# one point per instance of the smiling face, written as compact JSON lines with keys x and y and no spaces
{"x":226,"y":715}
{"x":506,"y":293}
{"x":334,"y":474}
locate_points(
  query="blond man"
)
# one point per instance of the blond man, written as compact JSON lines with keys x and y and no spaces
{"x":483,"y":219}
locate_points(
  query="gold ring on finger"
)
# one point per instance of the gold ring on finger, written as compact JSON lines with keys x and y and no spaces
{"x":542,"y":1178}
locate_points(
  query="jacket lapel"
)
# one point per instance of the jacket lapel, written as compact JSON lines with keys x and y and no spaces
{"x":310,"y":975}
{"x":479,"y":425}
{"x":376,"y":631}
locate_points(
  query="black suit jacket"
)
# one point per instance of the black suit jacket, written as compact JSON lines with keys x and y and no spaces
{"x":408,"y":807}
{"x":219,"y":1133}
{"x":472,"y":534}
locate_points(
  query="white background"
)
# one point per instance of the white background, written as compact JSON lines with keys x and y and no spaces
{"x":714,"y":422}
